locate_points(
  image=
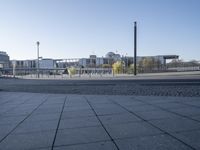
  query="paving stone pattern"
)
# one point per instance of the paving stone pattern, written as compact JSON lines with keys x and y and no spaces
{"x":31,"y":121}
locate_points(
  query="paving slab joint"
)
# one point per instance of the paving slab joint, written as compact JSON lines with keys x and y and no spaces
{"x":102,"y":124}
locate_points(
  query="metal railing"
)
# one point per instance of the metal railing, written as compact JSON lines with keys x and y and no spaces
{"x":61,"y":73}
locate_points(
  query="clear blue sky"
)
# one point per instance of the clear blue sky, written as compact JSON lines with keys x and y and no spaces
{"x":78,"y":28}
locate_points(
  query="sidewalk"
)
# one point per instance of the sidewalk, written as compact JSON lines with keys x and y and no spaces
{"x":31,"y":121}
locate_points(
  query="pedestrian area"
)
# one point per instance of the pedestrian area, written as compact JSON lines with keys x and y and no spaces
{"x":32,"y":121}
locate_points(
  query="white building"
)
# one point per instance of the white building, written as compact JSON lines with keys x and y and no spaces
{"x":24,"y":64}
{"x":32,"y":64}
{"x":47,"y":64}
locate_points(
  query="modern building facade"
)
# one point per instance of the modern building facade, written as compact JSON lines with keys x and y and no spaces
{"x":4,"y":60}
{"x":23,"y":64}
{"x":47,"y":63}
{"x":160,"y":58}
{"x":111,"y":57}
{"x":92,"y":62}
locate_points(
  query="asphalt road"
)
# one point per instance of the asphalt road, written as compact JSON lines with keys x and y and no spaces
{"x":157,"y":87}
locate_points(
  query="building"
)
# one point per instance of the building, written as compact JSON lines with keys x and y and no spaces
{"x":4,"y":60}
{"x":94,"y":61}
{"x":23,"y":64}
{"x":47,"y":63}
{"x":113,"y":56}
{"x":65,"y":63}
{"x":159,"y":58}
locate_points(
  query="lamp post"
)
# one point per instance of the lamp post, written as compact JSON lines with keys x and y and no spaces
{"x":135,"y":48}
{"x":38,"y":73}
{"x":14,"y":67}
{"x":126,"y":60}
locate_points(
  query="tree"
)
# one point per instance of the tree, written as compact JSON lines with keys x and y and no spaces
{"x":71,"y":71}
{"x":148,"y":63}
{"x":118,"y":67}
{"x":131,"y":69}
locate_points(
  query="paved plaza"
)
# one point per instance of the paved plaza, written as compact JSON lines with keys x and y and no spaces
{"x":35,"y":121}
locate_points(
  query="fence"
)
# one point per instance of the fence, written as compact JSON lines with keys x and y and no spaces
{"x":61,"y":73}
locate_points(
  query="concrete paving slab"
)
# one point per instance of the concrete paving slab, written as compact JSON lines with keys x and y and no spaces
{"x":81,"y":136}
{"x":42,"y":148}
{"x":77,"y":114}
{"x":142,"y":108}
{"x":196,"y":118}
{"x":193,"y":102}
{"x":47,"y":111}
{"x":98,"y":100}
{"x":157,"y":142}
{"x":42,"y":117}
{"x":190,"y":137}
{"x":109,"y":111}
{"x":80,"y":128}
{"x":19,"y":112}
{"x":104,"y":105}
{"x":171,"y":105}
{"x":187,"y":111}
{"x":119,"y":118}
{"x":51,"y":106}
{"x":156,"y":99}
{"x":71,"y":103}
{"x":5,"y":129}
{"x":39,"y":126}
{"x":107,"y":145}
{"x":4,"y":120}
{"x":176,"y":124}
{"x":152,"y":115}
{"x":76,"y":108}
{"x":129,"y":130}
{"x":79,"y":122}
{"x":132,"y":103}
{"x":28,"y":141}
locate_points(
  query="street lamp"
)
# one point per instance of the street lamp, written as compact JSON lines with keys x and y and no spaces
{"x":135,"y":48}
{"x":38,"y":43}
{"x":126,"y":60}
{"x":14,"y":68}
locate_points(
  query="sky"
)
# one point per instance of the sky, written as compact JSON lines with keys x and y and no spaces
{"x":79,"y":28}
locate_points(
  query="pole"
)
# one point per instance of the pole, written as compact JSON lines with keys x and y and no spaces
{"x":38,"y":73}
{"x":14,"y":67}
{"x":135,"y":48}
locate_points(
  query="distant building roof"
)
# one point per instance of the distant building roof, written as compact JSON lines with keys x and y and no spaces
{"x":110,"y":54}
{"x":3,"y":53}
{"x":170,"y":56}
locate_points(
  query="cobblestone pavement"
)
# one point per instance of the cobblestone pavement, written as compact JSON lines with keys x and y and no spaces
{"x":156,"y":87}
{"x":36,"y":121}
